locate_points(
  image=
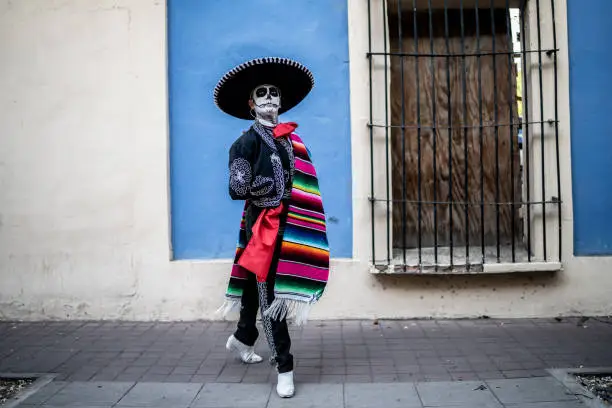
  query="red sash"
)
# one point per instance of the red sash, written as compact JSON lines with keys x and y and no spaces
{"x":258,"y":254}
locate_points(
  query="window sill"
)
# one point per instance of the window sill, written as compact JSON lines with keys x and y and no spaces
{"x":472,"y":269}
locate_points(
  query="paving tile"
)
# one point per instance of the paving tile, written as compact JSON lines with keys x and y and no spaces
{"x":184,"y":371}
{"x":138,"y":370}
{"x":333,"y":379}
{"x":557,"y":404}
{"x":522,"y":373}
{"x":203,"y":378}
{"x":149,"y":377}
{"x":105,"y":376}
{"x":524,"y":390}
{"x":90,"y":393}
{"x":84,"y":374}
{"x":159,"y":370}
{"x":308,"y":379}
{"x":358,"y":379}
{"x":311,"y":396}
{"x":357,"y":370}
{"x":538,"y":373}
{"x":334,"y":370}
{"x":468,"y":393}
{"x":233,"y":396}
{"x":179,"y":378}
{"x":384,"y":378}
{"x":125,"y":377}
{"x":490,"y":375}
{"x":310,"y":362}
{"x":168,"y":395}
{"x":381,"y":395}
{"x":80,"y":406}
{"x":467,"y":376}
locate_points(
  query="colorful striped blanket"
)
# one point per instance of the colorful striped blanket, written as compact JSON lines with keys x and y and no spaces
{"x":303,"y":266}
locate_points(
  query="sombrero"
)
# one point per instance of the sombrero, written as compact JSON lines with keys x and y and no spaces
{"x":233,"y":91}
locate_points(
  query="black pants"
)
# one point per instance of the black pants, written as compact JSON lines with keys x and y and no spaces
{"x":260,"y":295}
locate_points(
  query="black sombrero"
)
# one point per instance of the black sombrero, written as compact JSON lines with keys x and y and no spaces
{"x":233,"y":91}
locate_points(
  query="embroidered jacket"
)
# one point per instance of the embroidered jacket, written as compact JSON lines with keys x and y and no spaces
{"x":261,"y":167}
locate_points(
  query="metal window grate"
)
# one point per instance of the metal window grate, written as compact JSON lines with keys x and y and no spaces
{"x":468,"y":136}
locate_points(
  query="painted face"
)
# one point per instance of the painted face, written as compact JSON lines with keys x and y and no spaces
{"x":267,"y":101}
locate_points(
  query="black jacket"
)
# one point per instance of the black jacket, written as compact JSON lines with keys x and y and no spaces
{"x":260,"y":167}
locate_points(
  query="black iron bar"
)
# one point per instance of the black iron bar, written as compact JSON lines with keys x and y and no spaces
{"x":465,"y":138}
{"x":541,"y":131}
{"x":511,"y":130}
{"x":433,"y":132}
{"x":418,"y":104}
{"x":463,"y":54}
{"x":371,"y":135}
{"x":402,"y":89}
{"x":554,"y":33}
{"x":450,"y":133}
{"x":384,"y":22}
{"x":480,"y":137}
{"x":495,"y":115}
{"x":549,"y":122}
{"x":526,"y":158}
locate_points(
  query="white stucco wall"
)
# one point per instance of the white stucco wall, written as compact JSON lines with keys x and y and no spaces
{"x":84,"y":225}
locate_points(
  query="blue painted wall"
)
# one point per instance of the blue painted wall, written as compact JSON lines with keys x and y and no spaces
{"x":207,"y":38}
{"x":590,"y":37}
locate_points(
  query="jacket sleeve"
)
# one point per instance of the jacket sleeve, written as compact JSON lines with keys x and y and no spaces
{"x":241,"y":163}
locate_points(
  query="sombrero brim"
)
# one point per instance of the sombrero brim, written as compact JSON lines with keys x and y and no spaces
{"x":233,"y":91}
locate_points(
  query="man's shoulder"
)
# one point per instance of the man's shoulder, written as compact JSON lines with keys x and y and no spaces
{"x":248,"y":137}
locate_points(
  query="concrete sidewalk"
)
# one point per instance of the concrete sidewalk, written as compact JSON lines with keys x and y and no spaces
{"x":542,"y":392}
{"x":338,"y":363}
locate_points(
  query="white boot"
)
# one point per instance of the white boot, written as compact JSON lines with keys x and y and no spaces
{"x":285,"y":387}
{"x":246,"y":353}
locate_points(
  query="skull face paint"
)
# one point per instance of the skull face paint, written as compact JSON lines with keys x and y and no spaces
{"x":266,"y":100}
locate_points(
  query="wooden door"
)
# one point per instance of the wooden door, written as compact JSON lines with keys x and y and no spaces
{"x":457,"y":134}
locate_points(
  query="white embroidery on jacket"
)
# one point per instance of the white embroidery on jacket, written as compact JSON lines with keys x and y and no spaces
{"x":279,"y":184}
{"x":262,"y":186}
{"x":288,"y":175}
{"x":266,"y":135}
{"x":240,"y":176}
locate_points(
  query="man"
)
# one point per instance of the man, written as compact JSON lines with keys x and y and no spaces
{"x":282,"y":260}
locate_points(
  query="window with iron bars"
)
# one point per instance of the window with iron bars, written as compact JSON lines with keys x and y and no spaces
{"x":464,"y":136}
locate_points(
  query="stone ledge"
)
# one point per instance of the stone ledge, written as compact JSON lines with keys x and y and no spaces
{"x":471,"y":269}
